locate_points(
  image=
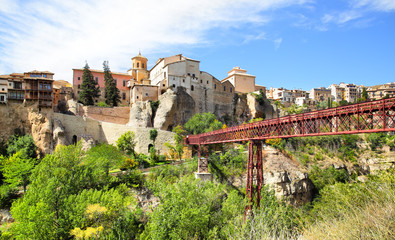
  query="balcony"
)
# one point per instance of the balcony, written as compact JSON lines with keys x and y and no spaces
{"x":38,"y":89}
{"x":15,"y":97}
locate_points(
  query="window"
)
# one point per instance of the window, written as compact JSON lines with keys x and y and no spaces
{"x":163,"y":84}
{"x":79,"y":86}
{"x":215,"y":86}
{"x":174,"y":85}
{"x":189,"y":74}
{"x":31,"y":75}
{"x":224,"y":88}
{"x":45,"y":75}
{"x":39,"y":75}
{"x":115,"y":80}
{"x":35,"y":75}
{"x":146,"y":94}
{"x":9,"y":84}
{"x":142,"y":65}
{"x":183,"y":80}
{"x":137,"y":97}
{"x":164,"y":74}
{"x":207,"y":82}
{"x":79,"y":78}
{"x":18,"y":85}
{"x":192,"y":88}
{"x":123,"y":96}
{"x":201,"y":81}
{"x":2,"y":98}
{"x":230,"y":89}
{"x":193,"y":75}
{"x":124,"y":83}
{"x":138,"y":65}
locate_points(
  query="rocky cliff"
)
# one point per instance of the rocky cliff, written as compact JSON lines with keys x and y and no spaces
{"x":177,"y":107}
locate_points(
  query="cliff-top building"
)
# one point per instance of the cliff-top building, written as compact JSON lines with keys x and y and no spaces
{"x":34,"y":86}
{"x":139,"y":84}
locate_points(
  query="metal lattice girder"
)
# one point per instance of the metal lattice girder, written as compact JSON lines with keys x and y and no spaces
{"x":254,"y":174}
{"x":374,"y":116}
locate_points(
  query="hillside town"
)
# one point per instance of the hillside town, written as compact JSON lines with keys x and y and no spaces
{"x":140,"y":84}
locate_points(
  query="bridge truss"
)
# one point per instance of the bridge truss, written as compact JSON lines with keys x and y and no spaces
{"x":367,"y":117}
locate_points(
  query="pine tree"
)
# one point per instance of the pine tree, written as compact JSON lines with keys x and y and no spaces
{"x":111,"y":91}
{"x":88,"y":86}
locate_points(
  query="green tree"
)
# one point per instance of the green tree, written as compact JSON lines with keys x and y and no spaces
{"x":89,"y":91}
{"x":17,"y":170}
{"x":126,"y":142}
{"x":25,"y":144}
{"x":179,"y":141}
{"x":111,"y":91}
{"x":202,"y":122}
{"x":62,"y":188}
{"x":189,"y":209}
{"x":153,"y":134}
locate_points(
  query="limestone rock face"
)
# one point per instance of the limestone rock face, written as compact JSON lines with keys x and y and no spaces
{"x":5,"y":216}
{"x":41,"y":130}
{"x":146,"y":199}
{"x":286,"y":178}
{"x":87,"y":142}
{"x":241,"y":110}
{"x":283,"y":176}
{"x":140,"y":115}
{"x":58,"y":133}
{"x":259,"y":111}
{"x":174,"y":108}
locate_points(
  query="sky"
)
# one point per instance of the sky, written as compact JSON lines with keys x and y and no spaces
{"x":285,"y":43}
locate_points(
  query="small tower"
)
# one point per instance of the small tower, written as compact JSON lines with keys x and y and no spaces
{"x":139,"y":62}
{"x":139,"y":70}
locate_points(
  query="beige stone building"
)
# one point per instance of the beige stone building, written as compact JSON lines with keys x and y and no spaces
{"x":241,"y":80}
{"x":379,"y":91}
{"x":320,"y":94}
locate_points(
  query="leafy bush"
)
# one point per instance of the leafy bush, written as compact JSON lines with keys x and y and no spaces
{"x":376,"y":140}
{"x":126,"y":142}
{"x":273,"y":220}
{"x":329,"y":176}
{"x":202,"y":122}
{"x":103,"y":104}
{"x":190,"y":209}
{"x":25,"y":144}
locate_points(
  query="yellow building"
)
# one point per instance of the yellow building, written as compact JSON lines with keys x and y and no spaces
{"x":139,"y":72}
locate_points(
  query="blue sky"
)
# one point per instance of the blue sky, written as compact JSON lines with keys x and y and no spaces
{"x":285,"y":43}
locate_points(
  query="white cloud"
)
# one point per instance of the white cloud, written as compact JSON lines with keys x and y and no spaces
{"x":277,"y":43}
{"x":377,"y":5}
{"x":341,"y":18}
{"x":58,"y":35}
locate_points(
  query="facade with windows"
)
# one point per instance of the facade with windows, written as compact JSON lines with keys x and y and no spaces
{"x":121,"y":80}
{"x":34,"y":86}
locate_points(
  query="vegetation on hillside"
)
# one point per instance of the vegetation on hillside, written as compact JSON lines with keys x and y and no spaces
{"x":74,"y":194}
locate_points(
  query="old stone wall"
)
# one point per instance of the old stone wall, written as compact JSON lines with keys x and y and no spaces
{"x":76,"y":127}
{"x":118,"y":115}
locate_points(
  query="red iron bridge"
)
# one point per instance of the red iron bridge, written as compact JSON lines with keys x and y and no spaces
{"x":366,"y":117}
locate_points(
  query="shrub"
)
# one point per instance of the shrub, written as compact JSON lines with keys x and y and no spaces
{"x":102,"y":104}
{"x":329,"y":176}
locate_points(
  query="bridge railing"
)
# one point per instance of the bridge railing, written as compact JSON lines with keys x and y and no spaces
{"x":372,"y":116}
